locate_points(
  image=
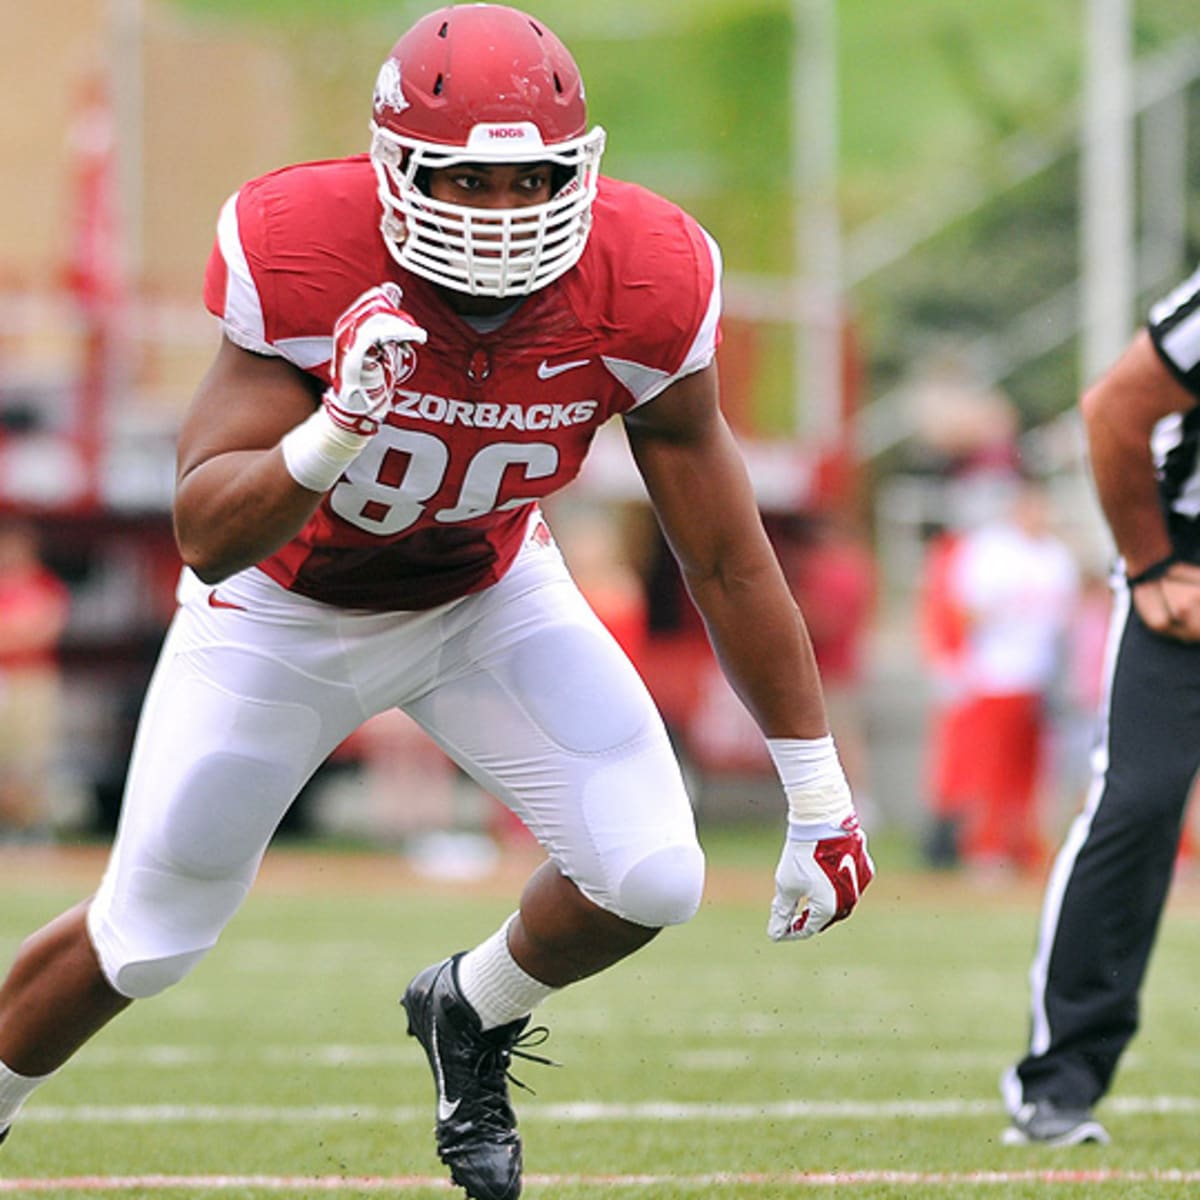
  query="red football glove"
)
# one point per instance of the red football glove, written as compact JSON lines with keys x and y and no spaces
{"x":821,"y":874}
{"x":370,"y":342}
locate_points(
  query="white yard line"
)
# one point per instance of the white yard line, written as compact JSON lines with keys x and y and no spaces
{"x":371,"y":1183}
{"x":579,"y":1113}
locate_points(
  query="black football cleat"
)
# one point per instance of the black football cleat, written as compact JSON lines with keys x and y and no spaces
{"x":476,"y":1127}
{"x":4,"y":1132}
{"x":1044,"y":1123}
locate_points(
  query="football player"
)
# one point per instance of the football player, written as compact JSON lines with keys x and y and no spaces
{"x":419,"y":344}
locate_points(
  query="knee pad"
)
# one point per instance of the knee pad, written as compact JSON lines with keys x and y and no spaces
{"x":169,"y":895}
{"x":141,"y":980}
{"x":169,"y":924}
{"x":664,"y":888}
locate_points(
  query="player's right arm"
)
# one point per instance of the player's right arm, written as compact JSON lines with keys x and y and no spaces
{"x":261,"y":446}
{"x":235,"y":500}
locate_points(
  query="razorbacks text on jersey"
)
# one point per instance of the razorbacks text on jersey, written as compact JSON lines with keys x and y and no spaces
{"x":487,"y":420}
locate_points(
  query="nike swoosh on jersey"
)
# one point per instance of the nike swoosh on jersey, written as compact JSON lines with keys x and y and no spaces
{"x":215,"y":601}
{"x":446,"y":1108}
{"x":546,"y":371}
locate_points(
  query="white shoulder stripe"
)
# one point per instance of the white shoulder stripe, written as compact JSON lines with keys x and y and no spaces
{"x":243,"y":322}
{"x":243,"y":317}
{"x":705,"y":345}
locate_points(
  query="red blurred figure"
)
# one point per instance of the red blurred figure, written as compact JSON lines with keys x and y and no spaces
{"x":34,"y":607}
{"x":832,"y":573}
{"x":1016,"y":586}
{"x":942,"y":630}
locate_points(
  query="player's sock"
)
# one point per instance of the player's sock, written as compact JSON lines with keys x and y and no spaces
{"x":14,"y":1091}
{"x":494,"y":985}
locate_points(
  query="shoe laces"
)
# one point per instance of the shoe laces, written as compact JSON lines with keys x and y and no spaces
{"x":493,"y":1067}
{"x":520,"y":1048}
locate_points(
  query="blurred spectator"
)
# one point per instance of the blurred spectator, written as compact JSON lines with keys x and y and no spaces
{"x":1015,"y":584}
{"x":942,"y":632}
{"x":831,"y":571}
{"x":34,"y":606}
{"x":593,"y":542}
{"x":1080,"y":692}
{"x":964,"y":425}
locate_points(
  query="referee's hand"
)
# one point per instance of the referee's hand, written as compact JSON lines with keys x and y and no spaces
{"x":1171,"y":605}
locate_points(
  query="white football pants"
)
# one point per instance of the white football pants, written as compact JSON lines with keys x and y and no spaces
{"x":520,"y":684}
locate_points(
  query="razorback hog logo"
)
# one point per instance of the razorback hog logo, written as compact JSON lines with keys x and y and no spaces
{"x":405,"y":362}
{"x":389,"y":89}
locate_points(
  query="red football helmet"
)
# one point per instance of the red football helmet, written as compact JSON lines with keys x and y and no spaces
{"x":483,"y":83}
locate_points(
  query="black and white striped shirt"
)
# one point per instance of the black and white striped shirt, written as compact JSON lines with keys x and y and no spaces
{"x":1174,"y":328}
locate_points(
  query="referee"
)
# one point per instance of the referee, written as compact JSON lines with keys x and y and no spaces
{"x":1109,"y":884}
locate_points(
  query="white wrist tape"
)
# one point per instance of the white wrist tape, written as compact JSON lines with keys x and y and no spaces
{"x":813,"y":780}
{"x":318,"y":450}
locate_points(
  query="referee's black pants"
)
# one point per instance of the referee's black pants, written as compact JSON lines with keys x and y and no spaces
{"x":1109,"y":883}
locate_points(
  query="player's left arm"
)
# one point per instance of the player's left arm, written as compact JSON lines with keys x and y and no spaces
{"x":702,"y":496}
{"x":705,"y":504}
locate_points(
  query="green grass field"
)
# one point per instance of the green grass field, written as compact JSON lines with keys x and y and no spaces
{"x":713,"y":1063}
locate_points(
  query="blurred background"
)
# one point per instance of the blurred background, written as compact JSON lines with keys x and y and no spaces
{"x":938,"y":219}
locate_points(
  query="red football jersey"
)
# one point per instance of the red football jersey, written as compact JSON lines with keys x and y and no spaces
{"x":487,"y":421}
